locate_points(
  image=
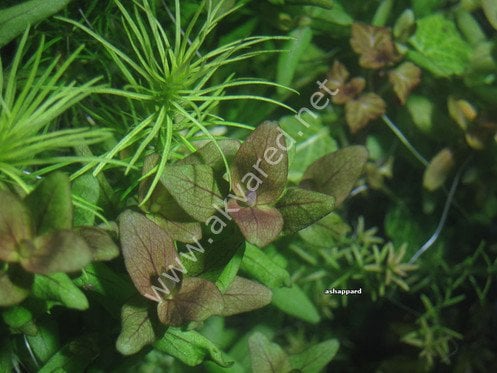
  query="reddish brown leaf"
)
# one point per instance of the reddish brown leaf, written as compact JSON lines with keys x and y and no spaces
{"x":349,"y":91}
{"x":336,"y":173}
{"x":337,"y":76}
{"x":461,"y":111}
{"x":15,"y":225}
{"x":361,"y":111}
{"x":244,"y":295}
{"x":147,"y":249}
{"x":197,"y":300}
{"x":101,"y":244}
{"x":260,"y":225}
{"x":404,"y":79}
{"x":261,"y":165}
{"x":187,"y":232}
{"x":374,"y":46}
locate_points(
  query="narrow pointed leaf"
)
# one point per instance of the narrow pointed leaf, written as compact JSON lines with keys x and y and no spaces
{"x":15,"y":225}
{"x":336,"y":173}
{"x":60,"y":289}
{"x":266,"y":356}
{"x":101,"y":245}
{"x":316,"y":358}
{"x":136,"y":328}
{"x":301,"y":208}
{"x":260,"y":225}
{"x":263,"y":150}
{"x":244,"y":295}
{"x":194,"y":189}
{"x":61,"y":251}
{"x":51,"y":205}
{"x":15,"y":286}
{"x":293,"y":301}
{"x":190,"y":347}
{"x":147,"y":249}
{"x":197,"y":300}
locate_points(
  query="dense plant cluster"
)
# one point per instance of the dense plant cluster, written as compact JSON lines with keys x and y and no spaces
{"x":234,"y":186}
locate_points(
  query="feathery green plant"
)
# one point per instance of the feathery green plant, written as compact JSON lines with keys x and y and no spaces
{"x":169,"y":81}
{"x":31,"y":100}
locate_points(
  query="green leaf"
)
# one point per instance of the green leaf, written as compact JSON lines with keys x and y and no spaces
{"x":15,"y":225}
{"x":15,"y":20}
{"x":101,"y":245}
{"x":60,"y":289}
{"x":421,"y":109}
{"x":19,"y":318}
{"x":439,"y":47}
{"x":87,"y":188}
{"x":137,"y":330}
{"x":314,"y":142}
{"x":15,"y":285}
{"x":438,"y":170}
{"x":293,"y":301}
{"x":194,"y":189}
{"x":6,"y":354}
{"x":301,"y":208}
{"x":336,"y":173}
{"x":60,"y":251}
{"x":260,"y":266}
{"x":190,"y":347}
{"x":75,"y":357}
{"x":51,"y":204}
{"x":209,"y":155}
{"x":316,"y":358}
{"x":230,"y":271}
{"x":260,"y":225}
{"x":244,"y":295}
{"x":294,"y":51}
{"x":326,"y":231}
{"x":490,"y":10}
{"x":45,"y":343}
{"x":261,"y":165}
{"x":147,"y":249}
{"x":196,"y":300}
{"x":425,"y":7}
{"x":267,"y":357}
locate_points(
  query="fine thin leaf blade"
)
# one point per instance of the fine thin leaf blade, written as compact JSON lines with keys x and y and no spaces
{"x":50,"y":204}
{"x":262,"y":150}
{"x":336,"y":173}
{"x":301,"y":208}
{"x":197,"y":300}
{"x":244,"y":295}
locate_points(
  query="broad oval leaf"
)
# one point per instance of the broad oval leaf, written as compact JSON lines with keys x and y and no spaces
{"x":260,"y":225}
{"x":51,"y":204}
{"x":101,"y":245}
{"x":147,"y":249}
{"x":301,"y":208}
{"x":15,"y":285}
{"x":439,"y":168}
{"x":196,"y":300}
{"x":261,"y":164}
{"x":336,"y":173}
{"x":59,"y":289}
{"x":137,"y":330}
{"x":244,"y":295}
{"x":194,"y":188}
{"x":187,"y":232}
{"x":266,"y":356}
{"x":315,"y":358}
{"x":61,"y":251}
{"x":374,"y":46}
{"x":15,"y":225}
{"x":362,"y":110}
{"x":404,"y":79}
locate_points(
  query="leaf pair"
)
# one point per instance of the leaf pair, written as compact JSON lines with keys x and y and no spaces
{"x":157,"y":272}
{"x":37,"y":232}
